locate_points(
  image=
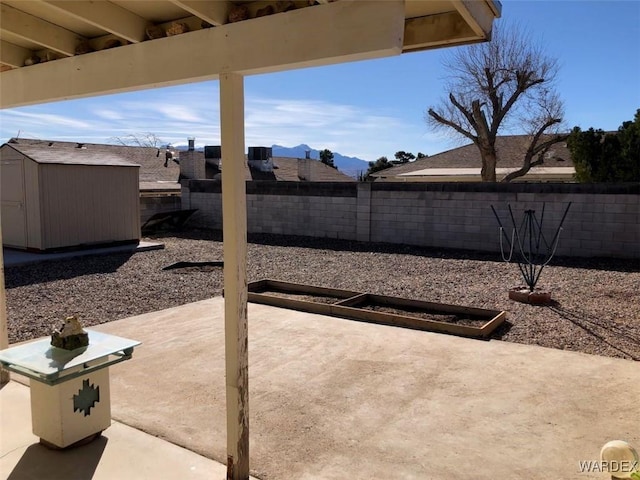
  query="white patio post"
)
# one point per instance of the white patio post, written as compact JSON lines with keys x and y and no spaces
{"x":234,"y":228}
{"x":4,"y":331}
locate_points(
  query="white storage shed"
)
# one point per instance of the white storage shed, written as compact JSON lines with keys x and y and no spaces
{"x":58,"y":196}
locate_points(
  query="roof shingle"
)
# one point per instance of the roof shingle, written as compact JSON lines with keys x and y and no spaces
{"x":510,"y":150}
{"x":151,"y":160}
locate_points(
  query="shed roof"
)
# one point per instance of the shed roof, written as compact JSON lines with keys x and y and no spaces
{"x":151,"y":160}
{"x":50,"y":153}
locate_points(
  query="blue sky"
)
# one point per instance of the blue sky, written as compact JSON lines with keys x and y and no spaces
{"x":372,"y":108}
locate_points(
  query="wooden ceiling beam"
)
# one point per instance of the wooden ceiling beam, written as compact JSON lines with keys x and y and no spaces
{"x":215,"y":12}
{"x":433,"y":31}
{"x":478,"y":14}
{"x":106,"y":16}
{"x":36,"y":30}
{"x":13,"y":55}
{"x":335,"y":33}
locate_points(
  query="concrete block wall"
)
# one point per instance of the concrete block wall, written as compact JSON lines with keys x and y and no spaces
{"x":150,"y":204}
{"x":460,"y":216}
{"x":603,"y":220}
{"x":444,"y":219}
{"x":315,"y":216}
{"x":324,"y":210}
{"x":209,"y":208}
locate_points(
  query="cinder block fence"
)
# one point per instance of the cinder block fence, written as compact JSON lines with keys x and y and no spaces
{"x":603,"y":220}
{"x":152,"y":203}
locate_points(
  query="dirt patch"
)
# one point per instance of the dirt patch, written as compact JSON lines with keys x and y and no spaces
{"x":437,"y":317}
{"x":305,"y":297}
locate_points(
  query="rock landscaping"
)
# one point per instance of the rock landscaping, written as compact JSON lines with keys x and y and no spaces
{"x":595,"y":307}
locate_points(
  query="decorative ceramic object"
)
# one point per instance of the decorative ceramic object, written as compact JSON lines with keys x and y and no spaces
{"x":71,"y":336}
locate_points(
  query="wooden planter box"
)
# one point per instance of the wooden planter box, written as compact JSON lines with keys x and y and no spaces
{"x":306,"y":298}
{"x":366,"y":307}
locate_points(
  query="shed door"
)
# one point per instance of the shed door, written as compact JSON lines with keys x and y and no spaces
{"x":14,"y":225}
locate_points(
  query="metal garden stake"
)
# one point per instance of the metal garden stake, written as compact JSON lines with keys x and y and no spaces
{"x":533,"y":251}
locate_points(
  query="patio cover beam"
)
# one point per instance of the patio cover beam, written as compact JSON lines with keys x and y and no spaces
{"x":333,"y":32}
{"x":325,"y":34}
{"x":4,"y":330}
{"x":38,"y":31}
{"x":479,"y":15}
{"x":215,"y":13}
{"x":433,"y":31}
{"x":107,"y":16}
{"x":234,"y":226}
{"x":13,"y":55}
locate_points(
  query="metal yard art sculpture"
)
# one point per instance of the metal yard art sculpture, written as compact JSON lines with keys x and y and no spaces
{"x":532,"y":251}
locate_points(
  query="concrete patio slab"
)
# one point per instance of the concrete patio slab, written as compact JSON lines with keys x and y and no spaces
{"x":121,"y":452}
{"x":335,"y":399}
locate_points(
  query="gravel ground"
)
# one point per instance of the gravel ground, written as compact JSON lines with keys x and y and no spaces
{"x":596,"y":307}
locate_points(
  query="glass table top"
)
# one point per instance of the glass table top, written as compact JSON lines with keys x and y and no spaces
{"x":42,"y":359}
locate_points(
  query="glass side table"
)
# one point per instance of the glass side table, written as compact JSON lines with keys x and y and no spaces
{"x":70,"y":397}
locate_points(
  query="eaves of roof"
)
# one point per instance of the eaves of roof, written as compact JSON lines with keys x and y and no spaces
{"x":510,"y":150}
{"x":70,"y":156}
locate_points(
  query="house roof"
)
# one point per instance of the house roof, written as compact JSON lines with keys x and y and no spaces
{"x":151,"y":160}
{"x":536,"y":174}
{"x":285,"y":169}
{"x":510,"y":150}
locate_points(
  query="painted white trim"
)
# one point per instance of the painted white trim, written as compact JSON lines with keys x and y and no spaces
{"x":216,"y":13}
{"x":325,"y":34}
{"x":39,"y":31}
{"x":234,"y":225}
{"x":106,"y":16}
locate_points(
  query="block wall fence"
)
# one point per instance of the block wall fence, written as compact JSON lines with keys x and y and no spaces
{"x":603,"y":220}
{"x":152,"y":203}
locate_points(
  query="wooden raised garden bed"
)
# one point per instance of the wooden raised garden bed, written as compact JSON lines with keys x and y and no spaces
{"x":367,"y":307}
{"x":307,"y":298}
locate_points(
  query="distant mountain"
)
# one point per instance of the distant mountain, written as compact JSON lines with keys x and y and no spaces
{"x":351,"y":166}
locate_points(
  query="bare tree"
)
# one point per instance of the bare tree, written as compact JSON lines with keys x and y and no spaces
{"x":505,"y":83}
{"x":138,"y":140}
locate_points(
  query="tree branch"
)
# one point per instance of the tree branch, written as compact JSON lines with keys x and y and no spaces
{"x":449,"y":123}
{"x":535,"y":149}
{"x":523,"y":84}
{"x":493,"y":91}
{"x":482,"y":128}
{"x":494,"y":84}
{"x":464,"y":111}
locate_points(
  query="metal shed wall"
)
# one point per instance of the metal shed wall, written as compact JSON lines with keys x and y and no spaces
{"x":20,"y":206}
{"x":59,"y":205}
{"x":88,"y":204}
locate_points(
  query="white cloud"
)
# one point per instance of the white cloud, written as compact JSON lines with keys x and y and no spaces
{"x":176,"y":114}
{"x":35,"y":120}
{"x":348,"y":129}
{"x":180,"y":113}
{"x":108,"y":114}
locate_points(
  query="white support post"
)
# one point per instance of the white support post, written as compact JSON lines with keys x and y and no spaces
{"x":4,"y":331}
{"x":234,"y":227}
